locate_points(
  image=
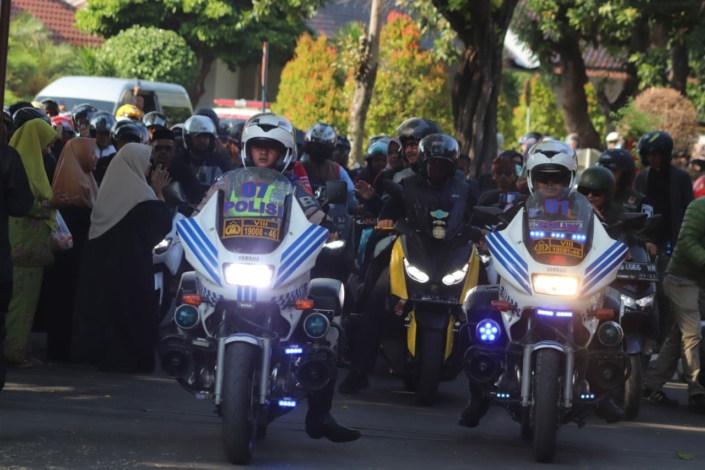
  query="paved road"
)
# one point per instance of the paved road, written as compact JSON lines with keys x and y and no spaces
{"x":67,"y":417}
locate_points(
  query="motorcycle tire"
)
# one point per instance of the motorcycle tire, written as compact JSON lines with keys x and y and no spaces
{"x":429,"y":359}
{"x":546,"y":395}
{"x":630,"y":393}
{"x":239,"y":409}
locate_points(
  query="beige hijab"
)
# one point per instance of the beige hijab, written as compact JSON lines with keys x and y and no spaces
{"x":124,"y":186}
{"x":74,"y":172}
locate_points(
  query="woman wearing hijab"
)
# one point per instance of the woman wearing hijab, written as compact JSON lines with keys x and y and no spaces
{"x":30,"y":239}
{"x":115,"y":314}
{"x":74,"y":177}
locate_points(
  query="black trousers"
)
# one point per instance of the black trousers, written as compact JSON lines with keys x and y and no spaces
{"x":5,"y":296}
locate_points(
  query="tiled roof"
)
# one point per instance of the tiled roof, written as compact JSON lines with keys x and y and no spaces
{"x":337,"y":13}
{"x":59,"y":17}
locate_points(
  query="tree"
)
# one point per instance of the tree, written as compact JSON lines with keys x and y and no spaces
{"x":364,"y":75}
{"x":311,"y":89}
{"x":410,"y":82}
{"x":149,"y":53}
{"x":480,"y":26}
{"x":33,"y":60}
{"x":232,"y":31}
{"x":546,"y":116}
{"x":677,"y":115}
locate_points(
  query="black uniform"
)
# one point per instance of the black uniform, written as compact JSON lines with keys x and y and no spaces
{"x":455,"y":197}
{"x":196,"y":175}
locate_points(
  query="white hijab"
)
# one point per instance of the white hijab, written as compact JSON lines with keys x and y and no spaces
{"x":124,"y":186}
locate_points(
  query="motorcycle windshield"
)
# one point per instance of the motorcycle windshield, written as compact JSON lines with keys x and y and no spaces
{"x":558,"y":226}
{"x":254,"y":203}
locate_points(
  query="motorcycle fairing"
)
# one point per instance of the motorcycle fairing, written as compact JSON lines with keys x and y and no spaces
{"x":515,"y":266}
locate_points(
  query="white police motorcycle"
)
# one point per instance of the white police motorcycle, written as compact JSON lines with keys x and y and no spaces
{"x":251,"y":330}
{"x":542,"y":345}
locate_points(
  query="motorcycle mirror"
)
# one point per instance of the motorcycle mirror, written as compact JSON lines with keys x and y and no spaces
{"x":653,"y":222}
{"x":337,"y":192}
{"x":174,"y":194}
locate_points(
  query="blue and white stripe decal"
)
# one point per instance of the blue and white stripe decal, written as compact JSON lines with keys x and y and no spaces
{"x":603,"y":265}
{"x":245,"y":293}
{"x":203,"y":249}
{"x":301,"y":249}
{"x":510,"y":259}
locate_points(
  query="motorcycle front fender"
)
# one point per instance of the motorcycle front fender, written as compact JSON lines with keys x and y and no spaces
{"x":244,"y":338}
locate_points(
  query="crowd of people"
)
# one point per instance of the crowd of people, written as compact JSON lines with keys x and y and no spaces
{"x":103,"y":176}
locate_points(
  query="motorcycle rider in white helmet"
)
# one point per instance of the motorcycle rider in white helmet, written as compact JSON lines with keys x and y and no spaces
{"x":550,"y":167}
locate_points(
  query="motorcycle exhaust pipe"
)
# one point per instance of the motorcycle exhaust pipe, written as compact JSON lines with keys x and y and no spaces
{"x":313,"y":374}
{"x":480,"y":367}
{"x":175,"y":363}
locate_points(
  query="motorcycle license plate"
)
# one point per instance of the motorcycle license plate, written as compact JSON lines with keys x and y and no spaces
{"x":251,"y":228}
{"x":638,"y":272}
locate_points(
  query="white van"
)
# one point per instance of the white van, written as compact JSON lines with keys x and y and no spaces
{"x":108,"y":94}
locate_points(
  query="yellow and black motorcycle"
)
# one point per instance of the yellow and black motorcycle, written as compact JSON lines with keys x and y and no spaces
{"x":433,"y":266}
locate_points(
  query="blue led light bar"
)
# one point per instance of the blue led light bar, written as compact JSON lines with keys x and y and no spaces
{"x":287,"y":403}
{"x":293,"y":350}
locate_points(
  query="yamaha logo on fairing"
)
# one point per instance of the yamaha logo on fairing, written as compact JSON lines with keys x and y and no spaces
{"x":248,"y":258}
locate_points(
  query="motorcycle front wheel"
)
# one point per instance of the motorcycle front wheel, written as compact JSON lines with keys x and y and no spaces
{"x":429,"y":359}
{"x":239,"y":408}
{"x":545,"y":413}
{"x":630,"y":393}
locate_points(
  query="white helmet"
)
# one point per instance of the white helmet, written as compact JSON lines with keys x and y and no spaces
{"x":551,"y":160}
{"x":270,"y":127}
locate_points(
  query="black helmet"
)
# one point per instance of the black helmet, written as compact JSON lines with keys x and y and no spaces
{"x":208,"y":112}
{"x":199,"y":124}
{"x":82,"y":111}
{"x":438,"y":147}
{"x":143,"y":130}
{"x":101,"y":122}
{"x":416,"y":129}
{"x":23,"y":115}
{"x":320,"y":141}
{"x":236,"y":132}
{"x":154,"y":118}
{"x":178,"y":129}
{"x":598,"y":178}
{"x":659,"y":142}
{"x":619,"y":159}
{"x":51,"y":107}
{"x":343,"y":142}
{"x":126,"y":130}
{"x":300,"y":142}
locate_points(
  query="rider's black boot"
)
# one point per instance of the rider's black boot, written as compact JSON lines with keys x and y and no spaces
{"x":320,"y":423}
{"x":475,"y":409}
{"x":610,"y":412}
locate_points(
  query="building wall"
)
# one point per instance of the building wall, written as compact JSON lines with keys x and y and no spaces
{"x":241,"y":84}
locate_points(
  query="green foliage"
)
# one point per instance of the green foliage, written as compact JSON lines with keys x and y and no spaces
{"x":695,"y":92}
{"x":546,"y":116}
{"x":432,"y":24}
{"x":632,"y":123}
{"x":509,"y":99}
{"x":599,"y":120}
{"x":33,"y":60}
{"x":148,"y":53}
{"x":230,"y":30}
{"x":410,"y":82}
{"x":310,"y":90}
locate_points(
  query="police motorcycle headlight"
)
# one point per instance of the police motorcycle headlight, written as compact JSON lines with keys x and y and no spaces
{"x":555,"y":285}
{"x":162,"y":246}
{"x":644,"y":302}
{"x":415,"y":273}
{"x":335,"y":244}
{"x":455,"y":277}
{"x":253,"y":275}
